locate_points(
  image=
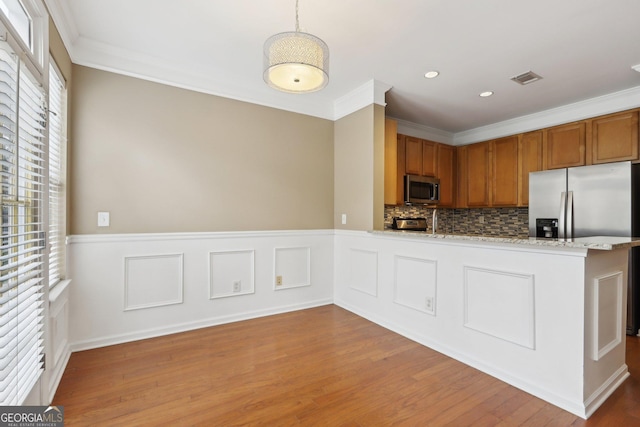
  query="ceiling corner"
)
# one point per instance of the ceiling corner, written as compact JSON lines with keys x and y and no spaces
{"x":63,"y":19}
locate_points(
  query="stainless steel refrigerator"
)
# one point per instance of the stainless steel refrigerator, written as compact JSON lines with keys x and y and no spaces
{"x":598,"y":200}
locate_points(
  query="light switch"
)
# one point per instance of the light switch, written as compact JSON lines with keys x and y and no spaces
{"x":103,"y":219}
{"x":344,"y":219}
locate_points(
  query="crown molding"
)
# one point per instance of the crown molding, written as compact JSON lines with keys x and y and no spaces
{"x":424,"y":132}
{"x":606,"y":104}
{"x":101,"y":56}
{"x":63,"y":19}
{"x":372,"y":92}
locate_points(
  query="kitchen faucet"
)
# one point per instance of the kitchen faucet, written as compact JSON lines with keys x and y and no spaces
{"x":434,"y":221}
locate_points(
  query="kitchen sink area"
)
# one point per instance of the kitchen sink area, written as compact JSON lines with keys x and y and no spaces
{"x":493,"y":222}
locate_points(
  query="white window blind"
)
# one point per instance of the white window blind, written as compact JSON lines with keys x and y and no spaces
{"x":22,"y":161}
{"x":57,"y":175}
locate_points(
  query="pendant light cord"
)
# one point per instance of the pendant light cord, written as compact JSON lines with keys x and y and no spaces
{"x":297,"y":22}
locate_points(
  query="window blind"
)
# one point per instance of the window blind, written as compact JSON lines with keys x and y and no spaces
{"x":57,"y":172}
{"x":22,"y":149}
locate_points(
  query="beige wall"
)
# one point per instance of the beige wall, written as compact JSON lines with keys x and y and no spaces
{"x":378,"y":167}
{"x":164,"y":159}
{"x":354,"y":170}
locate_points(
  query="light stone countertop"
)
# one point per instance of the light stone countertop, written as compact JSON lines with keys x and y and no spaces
{"x":605,"y":243}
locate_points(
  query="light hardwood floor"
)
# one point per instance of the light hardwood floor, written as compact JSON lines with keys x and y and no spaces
{"x":323,"y":366}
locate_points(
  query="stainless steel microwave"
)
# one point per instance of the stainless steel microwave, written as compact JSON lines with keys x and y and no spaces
{"x":421,"y":190}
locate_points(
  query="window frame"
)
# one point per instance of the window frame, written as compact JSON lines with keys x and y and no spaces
{"x":62,"y":184}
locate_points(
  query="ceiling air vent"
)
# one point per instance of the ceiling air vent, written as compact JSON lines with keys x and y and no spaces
{"x":526,"y":78}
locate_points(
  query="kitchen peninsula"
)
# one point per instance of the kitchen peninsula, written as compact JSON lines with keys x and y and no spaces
{"x":545,"y":316}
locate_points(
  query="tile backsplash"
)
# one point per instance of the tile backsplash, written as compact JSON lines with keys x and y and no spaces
{"x":504,"y":222}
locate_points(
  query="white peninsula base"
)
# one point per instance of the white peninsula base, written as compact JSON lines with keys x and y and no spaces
{"x":546,"y":317}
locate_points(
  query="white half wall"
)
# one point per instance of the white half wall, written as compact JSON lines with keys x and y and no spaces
{"x":546,"y":320}
{"x":135,"y":286}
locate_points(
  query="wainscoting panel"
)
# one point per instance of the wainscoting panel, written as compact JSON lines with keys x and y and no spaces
{"x":58,"y":334}
{"x":607,"y":313}
{"x":291,"y":268}
{"x":364,"y":271}
{"x":231,"y":273}
{"x":153,"y":281}
{"x":175,"y":282}
{"x":500,"y":304}
{"x":415,"y":283}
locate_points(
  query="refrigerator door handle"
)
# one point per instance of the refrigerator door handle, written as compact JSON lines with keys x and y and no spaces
{"x":569,"y":215}
{"x":561,"y":217}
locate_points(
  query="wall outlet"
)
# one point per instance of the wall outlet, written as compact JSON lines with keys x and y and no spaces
{"x":428,"y":303}
{"x":237,"y":286}
{"x":278,"y":280}
{"x":103,"y":219}
{"x":481,"y":219}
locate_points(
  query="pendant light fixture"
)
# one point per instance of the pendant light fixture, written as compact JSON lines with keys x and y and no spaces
{"x":295,"y":61}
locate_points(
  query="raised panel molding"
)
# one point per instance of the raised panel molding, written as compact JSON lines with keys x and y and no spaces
{"x":364,"y":271}
{"x":293,"y":266}
{"x":607,"y":313}
{"x":231,"y":273}
{"x":153,"y":281}
{"x":415,"y":283}
{"x":500,"y":304}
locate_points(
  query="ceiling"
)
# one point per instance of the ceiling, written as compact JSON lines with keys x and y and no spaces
{"x":583,"y":49}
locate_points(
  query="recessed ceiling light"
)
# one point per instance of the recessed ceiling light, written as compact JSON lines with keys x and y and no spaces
{"x":486,"y":94}
{"x":431,"y":74}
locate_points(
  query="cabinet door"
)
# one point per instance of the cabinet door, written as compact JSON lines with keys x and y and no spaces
{"x":615,"y":137}
{"x":529,"y":160}
{"x":564,"y":146}
{"x":429,"y":158}
{"x":461,"y":177}
{"x":478,"y":172}
{"x":390,"y":162}
{"x":446,"y":172}
{"x":413,"y":150}
{"x":402,"y":161}
{"x":504,"y":177}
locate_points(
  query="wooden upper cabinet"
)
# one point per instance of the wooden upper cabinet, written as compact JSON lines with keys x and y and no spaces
{"x":429,"y":158}
{"x":529,"y":160}
{"x":391,"y":175}
{"x":420,"y":156}
{"x":413,"y":150}
{"x":446,"y":172}
{"x":504,"y":176}
{"x":614,"y":138}
{"x":564,"y":146}
{"x":461,"y":177}
{"x":402,"y":161}
{"x":478,"y":173}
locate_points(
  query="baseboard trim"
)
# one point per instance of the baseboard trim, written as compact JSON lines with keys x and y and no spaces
{"x":58,"y":372}
{"x":598,"y":397}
